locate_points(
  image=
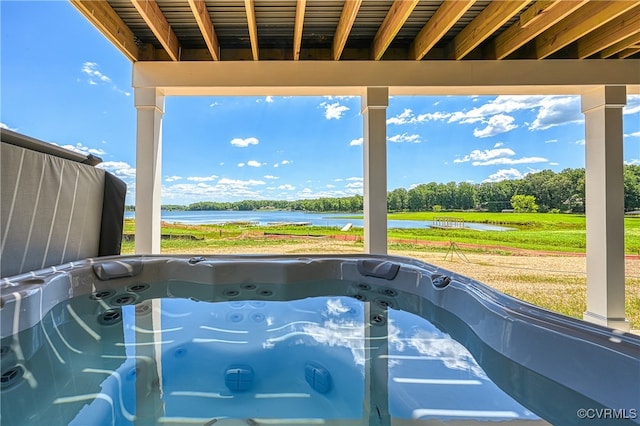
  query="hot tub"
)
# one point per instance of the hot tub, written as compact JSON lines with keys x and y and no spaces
{"x":258,"y":340}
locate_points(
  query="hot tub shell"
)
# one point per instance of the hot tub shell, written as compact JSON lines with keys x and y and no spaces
{"x":556,"y":352}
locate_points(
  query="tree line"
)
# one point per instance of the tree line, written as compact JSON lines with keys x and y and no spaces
{"x":552,"y":192}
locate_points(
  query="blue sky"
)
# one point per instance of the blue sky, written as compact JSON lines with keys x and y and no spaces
{"x":61,"y":81}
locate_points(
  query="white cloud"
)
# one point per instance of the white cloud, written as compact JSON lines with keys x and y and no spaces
{"x":498,"y":144}
{"x":282,"y":163}
{"x":498,"y":156}
{"x":172,"y":178}
{"x":500,"y":105}
{"x":214,"y":104}
{"x":202,"y":178}
{"x":633,"y":105}
{"x":268,"y":99}
{"x":487,"y":154}
{"x":510,"y":161}
{"x":286,"y":187}
{"x":91,"y":69}
{"x":356,"y":142}
{"x":352,"y":179}
{"x":552,"y":110}
{"x":632,"y":135}
{"x":270,"y":177}
{"x":408,"y":117}
{"x":580,"y":142}
{"x":243,"y":143}
{"x":554,"y":164}
{"x":403,"y":118}
{"x":404,"y":138}
{"x":338,"y":97}
{"x":118,"y":168}
{"x":556,"y":111}
{"x":95,"y":77}
{"x":339,"y":180}
{"x":221,"y":163}
{"x":633,"y":162}
{"x":355,"y":185}
{"x":81,"y":149}
{"x":551,"y":141}
{"x":330,"y":186}
{"x":250,"y":182}
{"x":4,"y":126}
{"x":496,"y":125}
{"x":224,"y":189}
{"x":241,"y":164}
{"x":504,"y":174}
{"x":253,"y":163}
{"x":334,"y":110}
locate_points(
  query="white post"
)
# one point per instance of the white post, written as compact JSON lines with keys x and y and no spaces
{"x":150,"y":105}
{"x":374,"y":112}
{"x":602,"y":108}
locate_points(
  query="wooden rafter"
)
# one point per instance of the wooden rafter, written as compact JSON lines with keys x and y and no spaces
{"x":528,"y":27}
{"x":442,"y":20}
{"x":107,"y":21}
{"x":496,"y":14}
{"x":153,"y":16}
{"x":297,"y":29}
{"x":347,"y":18}
{"x":620,"y":46}
{"x":591,"y":16}
{"x":536,"y":11}
{"x":616,"y":30}
{"x":200,"y":12}
{"x":629,"y":52}
{"x":253,"y":27}
{"x":395,"y":19}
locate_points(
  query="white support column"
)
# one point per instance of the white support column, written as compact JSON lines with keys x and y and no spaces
{"x":602,"y":108}
{"x":374,"y":112}
{"x":150,"y":105}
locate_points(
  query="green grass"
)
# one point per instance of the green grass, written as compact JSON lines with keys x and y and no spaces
{"x":532,"y":231}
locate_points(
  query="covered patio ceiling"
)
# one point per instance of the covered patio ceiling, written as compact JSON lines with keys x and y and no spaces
{"x":292,"y":30}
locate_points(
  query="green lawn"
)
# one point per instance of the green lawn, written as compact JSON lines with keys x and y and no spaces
{"x":532,"y":231}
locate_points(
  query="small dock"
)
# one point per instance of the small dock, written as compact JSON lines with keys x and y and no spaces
{"x":288,"y":223}
{"x":448,"y":223}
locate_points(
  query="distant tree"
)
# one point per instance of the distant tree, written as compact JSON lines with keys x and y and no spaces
{"x":524,"y":203}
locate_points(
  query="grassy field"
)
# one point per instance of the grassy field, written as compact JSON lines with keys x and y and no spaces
{"x":532,"y":231}
{"x":556,"y":282}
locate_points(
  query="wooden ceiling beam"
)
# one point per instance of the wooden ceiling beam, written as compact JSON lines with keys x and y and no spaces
{"x":616,"y":30}
{"x":620,"y":46}
{"x":153,"y":16}
{"x":495,"y":15}
{"x":527,"y":28}
{"x":396,"y":17}
{"x":249,"y":6}
{"x":588,"y":18}
{"x":442,"y":20}
{"x":347,"y":18}
{"x":297,"y":29}
{"x":536,"y":11}
{"x":200,"y":12}
{"x":628,"y":52}
{"x":109,"y":23}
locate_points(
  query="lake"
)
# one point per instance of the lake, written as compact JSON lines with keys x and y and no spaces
{"x":264,"y":217}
